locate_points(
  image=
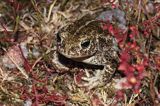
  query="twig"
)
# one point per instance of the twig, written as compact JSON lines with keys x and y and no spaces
{"x":18,"y":67}
{"x":50,"y":10}
{"x":139,"y":11}
{"x":5,"y":30}
{"x":63,"y":4}
{"x":1,"y":71}
{"x":49,"y":50}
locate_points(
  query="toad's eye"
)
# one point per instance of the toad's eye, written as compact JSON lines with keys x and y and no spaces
{"x":58,"y":37}
{"x":85,"y":44}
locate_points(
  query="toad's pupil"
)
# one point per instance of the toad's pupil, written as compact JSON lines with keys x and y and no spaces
{"x":58,"y":37}
{"x":85,"y":44}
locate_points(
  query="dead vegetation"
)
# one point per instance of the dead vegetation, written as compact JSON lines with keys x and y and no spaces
{"x":27,"y":45}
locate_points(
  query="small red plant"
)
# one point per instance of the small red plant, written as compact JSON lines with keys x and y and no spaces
{"x":132,"y":61}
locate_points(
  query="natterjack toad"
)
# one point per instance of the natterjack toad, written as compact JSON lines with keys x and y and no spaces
{"x":86,"y":42}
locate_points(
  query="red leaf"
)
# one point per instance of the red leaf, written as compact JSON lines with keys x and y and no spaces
{"x":140,"y":68}
{"x":120,"y":95}
{"x":96,"y":101}
{"x":134,"y":30}
{"x":56,"y":97}
{"x":125,"y":57}
{"x":78,"y":77}
{"x":123,"y":66}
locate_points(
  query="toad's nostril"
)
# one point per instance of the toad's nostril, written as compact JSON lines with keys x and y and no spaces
{"x":85,"y":44}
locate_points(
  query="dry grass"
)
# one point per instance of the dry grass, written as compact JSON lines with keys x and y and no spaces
{"x":27,"y":44}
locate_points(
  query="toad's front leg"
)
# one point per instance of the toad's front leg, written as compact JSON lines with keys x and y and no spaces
{"x":99,"y":77}
{"x":57,"y":64}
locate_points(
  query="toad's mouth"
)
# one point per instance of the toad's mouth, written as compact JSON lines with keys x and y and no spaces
{"x":80,"y":62}
{"x":79,"y":58}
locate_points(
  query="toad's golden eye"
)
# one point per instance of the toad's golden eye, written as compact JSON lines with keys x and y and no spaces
{"x":85,"y":44}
